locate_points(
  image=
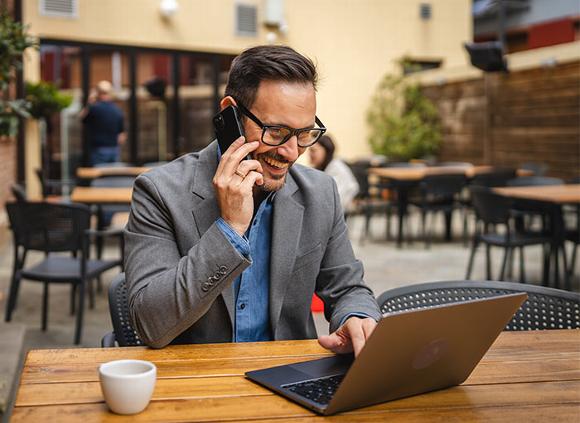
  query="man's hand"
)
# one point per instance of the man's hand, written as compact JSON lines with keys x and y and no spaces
{"x":351,"y":336}
{"x":234,"y":180}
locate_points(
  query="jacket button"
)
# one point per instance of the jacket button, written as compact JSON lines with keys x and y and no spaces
{"x":205,"y":287}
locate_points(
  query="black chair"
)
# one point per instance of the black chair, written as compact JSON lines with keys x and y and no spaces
{"x":18,"y":192}
{"x":52,"y":187}
{"x":537,"y":169}
{"x":367,"y":202}
{"x":545,"y":308}
{"x":123,"y":334}
{"x":525,"y":181}
{"x":497,"y":177}
{"x":53,"y":228}
{"x":439,"y":193}
{"x":105,"y":213}
{"x":493,"y":210}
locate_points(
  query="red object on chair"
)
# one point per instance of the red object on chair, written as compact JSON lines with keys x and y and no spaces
{"x":317,"y":305}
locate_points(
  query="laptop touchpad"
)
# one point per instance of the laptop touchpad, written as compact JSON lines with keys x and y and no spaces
{"x":338,"y":364}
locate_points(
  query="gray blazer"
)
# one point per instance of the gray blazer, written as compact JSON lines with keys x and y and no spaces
{"x":180,"y":267}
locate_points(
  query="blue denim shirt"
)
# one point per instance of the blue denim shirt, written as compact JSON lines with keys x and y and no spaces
{"x":252,"y":287}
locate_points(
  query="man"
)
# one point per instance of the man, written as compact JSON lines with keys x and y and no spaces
{"x":226,"y":249}
{"x":105,"y":128}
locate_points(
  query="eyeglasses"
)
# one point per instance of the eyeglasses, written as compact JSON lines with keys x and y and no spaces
{"x":275,"y":135}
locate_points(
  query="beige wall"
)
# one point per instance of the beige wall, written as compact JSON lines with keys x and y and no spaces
{"x":354,"y":42}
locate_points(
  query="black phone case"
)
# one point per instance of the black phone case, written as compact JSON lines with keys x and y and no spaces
{"x":228,"y":127}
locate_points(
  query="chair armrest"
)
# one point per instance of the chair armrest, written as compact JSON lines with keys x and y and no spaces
{"x":108,"y":341}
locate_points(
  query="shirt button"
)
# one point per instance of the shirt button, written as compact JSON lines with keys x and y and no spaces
{"x":242,"y":306}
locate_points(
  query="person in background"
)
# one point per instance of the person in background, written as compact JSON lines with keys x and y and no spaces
{"x":105,"y":126}
{"x":322,"y":158}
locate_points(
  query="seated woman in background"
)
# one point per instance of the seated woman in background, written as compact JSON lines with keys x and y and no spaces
{"x":322,"y":158}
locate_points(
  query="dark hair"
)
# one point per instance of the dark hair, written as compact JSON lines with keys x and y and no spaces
{"x":267,"y":63}
{"x":326,"y":142}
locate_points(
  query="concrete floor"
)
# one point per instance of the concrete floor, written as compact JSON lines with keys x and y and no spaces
{"x":385,"y":265}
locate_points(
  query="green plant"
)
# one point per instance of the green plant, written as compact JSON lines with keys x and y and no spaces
{"x":404,"y":123}
{"x":45,"y":99}
{"x":13,"y":41}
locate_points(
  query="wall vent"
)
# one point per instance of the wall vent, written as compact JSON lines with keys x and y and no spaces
{"x":246,"y":20}
{"x":59,"y":8}
{"x":425,"y":11}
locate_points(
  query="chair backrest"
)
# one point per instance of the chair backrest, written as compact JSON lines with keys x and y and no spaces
{"x":444,"y":185}
{"x":125,"y":335}
{"x":18,"y":192}
{"x":360,"y":170}
{"x":49,"y":227}
{"x":538,"y":169}
{"x":490,"y":207}
{"x":526,"y":181}
{"x":545,"y":308}
{"x":496,"y":178}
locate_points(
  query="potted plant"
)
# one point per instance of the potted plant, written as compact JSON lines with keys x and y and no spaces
{"x":14,"y":40}
{"x":404,"y":123}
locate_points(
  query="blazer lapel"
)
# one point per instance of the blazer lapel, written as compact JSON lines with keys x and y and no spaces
{"x":286,"y":227}
{"x":205,"y":210}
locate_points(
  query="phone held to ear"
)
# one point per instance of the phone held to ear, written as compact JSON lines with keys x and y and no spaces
{"x":228,"y":127}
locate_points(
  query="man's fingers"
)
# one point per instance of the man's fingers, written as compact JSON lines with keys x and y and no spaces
{"x":357,"y":336}
{"x":329,"y":341}
{"x":368,"y":326}
{"x":246,"y":166}
{"x":232,"y":158}
{"x":252,"y":178}
{"x":225,"y":154}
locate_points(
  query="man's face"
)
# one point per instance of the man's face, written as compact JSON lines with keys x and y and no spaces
{"x":280,"y":103}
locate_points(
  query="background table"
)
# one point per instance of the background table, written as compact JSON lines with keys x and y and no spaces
{"x":550,"y":199}
{"x":101,"y":195}
{"x":99,"y":172}
{"x":525,"y":375}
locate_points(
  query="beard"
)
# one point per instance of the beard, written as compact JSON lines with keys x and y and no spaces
{"x":273,"y":182}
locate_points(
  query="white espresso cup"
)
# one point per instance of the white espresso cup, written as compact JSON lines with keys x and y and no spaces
{"x":127,"y":385}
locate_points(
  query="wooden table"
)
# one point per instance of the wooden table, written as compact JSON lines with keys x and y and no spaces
{"x":524,"y":376}
{"x":102,"y":195}
{"x":99,"y":172}
{"x":557,"y":194}
{"x":550,"y":199}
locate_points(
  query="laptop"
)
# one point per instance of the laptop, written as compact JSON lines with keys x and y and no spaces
{"x":409,"y":353}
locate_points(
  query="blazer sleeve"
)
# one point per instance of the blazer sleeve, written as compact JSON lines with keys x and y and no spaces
{"x":168,"y":292}
{"x":340,"y":281}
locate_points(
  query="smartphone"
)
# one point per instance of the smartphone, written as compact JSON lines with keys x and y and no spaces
{"x":228,"y":127}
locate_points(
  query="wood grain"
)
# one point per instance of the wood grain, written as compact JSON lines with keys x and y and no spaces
{"x":525,"y":375}
{"x":99,"y":172}
{"x":101,"y":195}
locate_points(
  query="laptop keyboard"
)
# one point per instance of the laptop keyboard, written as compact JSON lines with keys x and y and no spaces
{"x":319,"y":390}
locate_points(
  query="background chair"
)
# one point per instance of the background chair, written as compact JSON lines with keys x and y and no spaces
{"x":545,"y":308}
{"x":52,"y":187}
{"x":439,"y":193}
{"x":53,"y":228}
{"x":18,"y":192}
{"x":123,"y":333}
{"x":368,"y":201}
{"x":493,"y":210}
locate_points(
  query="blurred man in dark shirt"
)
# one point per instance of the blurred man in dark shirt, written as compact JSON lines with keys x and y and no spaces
{"x":105,"y":127}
